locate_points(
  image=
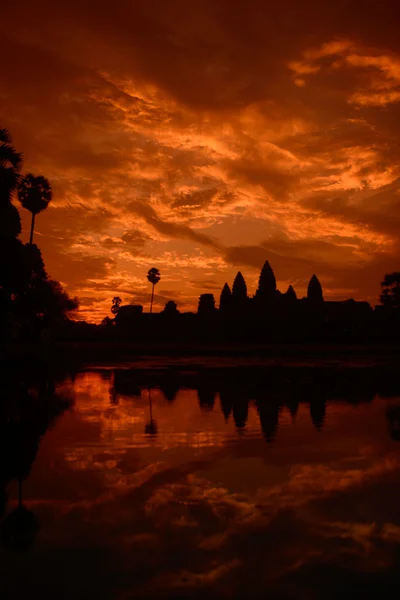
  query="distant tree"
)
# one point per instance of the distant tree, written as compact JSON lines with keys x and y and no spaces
{"x":10,"y":176}
{"x":206,"y":306}
{"x":10,"y":167}
{"x":116,"y":303}
{"x":107,"y":322}
{"x":154,"y":277}
{"x":390,"y":295}
{"x":47,"y":301}
{"x":170,"y":309}
{"x":29,"y":300}
{"x":314,"y":291}
{"x":225,"y":300}
{"x":266,"y":283}
{"x":34,"y":193}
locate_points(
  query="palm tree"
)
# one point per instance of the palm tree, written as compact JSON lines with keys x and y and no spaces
{"x":154,"y":277}
{"x":34,"y":194}
{"x":10,"y":167}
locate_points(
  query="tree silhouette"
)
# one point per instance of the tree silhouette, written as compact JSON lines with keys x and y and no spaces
{"x":10,"y":167}
{"x":116,"y":303}
{"x":34,"y":193}
{"x":390,"y":296}
{"x":19,"y":528}
{"x":154,"y":277}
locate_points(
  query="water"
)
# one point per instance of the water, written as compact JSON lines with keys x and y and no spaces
{"x":226,"y":484}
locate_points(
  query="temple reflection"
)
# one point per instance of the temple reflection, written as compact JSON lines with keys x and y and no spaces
{"x":262,"y":392}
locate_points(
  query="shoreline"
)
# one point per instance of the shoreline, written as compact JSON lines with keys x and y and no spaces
{"x":151,"y":355}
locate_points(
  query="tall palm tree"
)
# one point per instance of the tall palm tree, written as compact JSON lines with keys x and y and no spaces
{"x":10,"y":167}
{"x":154,"y":277}
{"x":34,"y":193}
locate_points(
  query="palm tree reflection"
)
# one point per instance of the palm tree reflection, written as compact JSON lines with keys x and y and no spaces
{"x":31,"y":406}
{"x":151,"y":427}
{"x":19,"y":528}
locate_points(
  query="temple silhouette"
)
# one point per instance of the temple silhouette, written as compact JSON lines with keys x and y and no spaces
{"x":268,"y":315}
{"x":268,"y":300}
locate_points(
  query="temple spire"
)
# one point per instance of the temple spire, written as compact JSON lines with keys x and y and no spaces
{"x":225,"y":299}
{"x":239,"y":288}
{"x":267,"y":282}
{"x":314,"y":291}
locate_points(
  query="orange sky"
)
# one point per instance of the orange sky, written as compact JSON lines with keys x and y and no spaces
{"x":207,"y":136}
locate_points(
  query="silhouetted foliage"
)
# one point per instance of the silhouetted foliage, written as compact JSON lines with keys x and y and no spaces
{"x":34,"y":193}
{"x":107,"y":322}
{"x":28,"y":410}
{"x":154,"y":277}
{"x":116,"y":303}
{"x":29,"y":300}
{"x":10,"y":222}
{"x":10,"y":168}
{"x":390,"y":296}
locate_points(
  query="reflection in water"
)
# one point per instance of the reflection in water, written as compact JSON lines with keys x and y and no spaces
{"x":30,"y":407}
{"x":151,"y":426}
{"x":19,"y":528}
{"x":224,"y":483}
{"x":393,"y":416}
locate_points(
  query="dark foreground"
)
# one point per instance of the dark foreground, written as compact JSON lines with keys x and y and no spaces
{"x":201,"y":479}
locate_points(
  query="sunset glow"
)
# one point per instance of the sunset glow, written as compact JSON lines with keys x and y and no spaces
{"x":205,"y":137}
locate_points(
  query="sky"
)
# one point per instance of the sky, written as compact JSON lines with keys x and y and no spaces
{"x":205,"y":137}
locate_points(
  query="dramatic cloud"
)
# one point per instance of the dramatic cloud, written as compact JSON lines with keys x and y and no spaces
{"x":199,"y":137}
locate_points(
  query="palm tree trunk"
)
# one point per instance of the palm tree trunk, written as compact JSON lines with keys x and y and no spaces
{"x":32,"y":228}
{"x":19,"y":492}
{"x":152,"y":296}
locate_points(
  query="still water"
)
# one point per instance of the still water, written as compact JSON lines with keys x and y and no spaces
{"x":220,"y":483}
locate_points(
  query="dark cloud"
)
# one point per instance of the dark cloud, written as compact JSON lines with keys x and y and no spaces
{"x":285,"y":113}
{"x":174,"y":230}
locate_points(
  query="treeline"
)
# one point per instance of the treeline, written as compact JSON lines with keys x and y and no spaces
{"x":32,"y":305}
